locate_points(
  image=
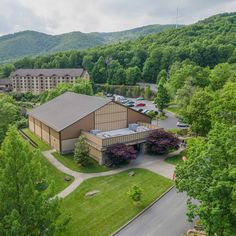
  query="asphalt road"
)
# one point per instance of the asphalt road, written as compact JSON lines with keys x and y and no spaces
{"x":167,"y":217}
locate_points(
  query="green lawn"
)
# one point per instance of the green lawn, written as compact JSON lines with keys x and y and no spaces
{"x":41,"y":145}
{"x":52,"y":173}
{"x":68,"y":161}
{"x":176,"y":159}
{"x":105,"y":212}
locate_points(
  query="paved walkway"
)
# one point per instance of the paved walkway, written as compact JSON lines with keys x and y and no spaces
{"x":155,"y":164}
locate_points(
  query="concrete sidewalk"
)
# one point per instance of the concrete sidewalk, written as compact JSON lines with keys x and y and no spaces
{"x":155,"y":164}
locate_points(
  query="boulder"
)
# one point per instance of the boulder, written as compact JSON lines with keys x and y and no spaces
{"x":131,"y":173}
{"x":92,"y":193}
{"x":67,"y":178}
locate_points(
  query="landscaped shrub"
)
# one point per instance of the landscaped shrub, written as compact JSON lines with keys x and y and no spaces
{"x":81,"y":155}
{"x":135,"y":193}
{"x":120,"y":153}
{"x":161,"y":142}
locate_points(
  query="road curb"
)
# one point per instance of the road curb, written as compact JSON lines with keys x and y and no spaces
{"x":140,"y":213}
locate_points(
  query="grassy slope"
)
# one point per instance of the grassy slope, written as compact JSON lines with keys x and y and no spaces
{"x":41,"y":145}
{"x":68,"y":160}
{"x":52,"y":173}
{"x":105,"y":212}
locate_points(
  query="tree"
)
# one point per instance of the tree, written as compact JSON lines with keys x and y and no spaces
{"x":184,"y":95}
{"x":99,"y":71}
{"x":119,"y":153}
{"x":223,"y":107}
{"x":135,"y":193}
{"x":81,"y":154}
{"x":161,"y":75}
{"x":147,"y":92}
{"x":219,"y":75}
{"x":83,"y":87}
{"x":197,"y":112}
{"x":133,"y":74}
{"x":26,"y":209}
{"x":162,"y":99}
{"x":9,"y":114}
{"x":161,"y":142}
{"x":208,"y":176}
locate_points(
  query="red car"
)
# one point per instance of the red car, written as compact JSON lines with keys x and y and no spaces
{"x":140,"y":104}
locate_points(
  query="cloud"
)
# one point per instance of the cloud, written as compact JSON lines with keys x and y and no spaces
{"x":59,"y":16}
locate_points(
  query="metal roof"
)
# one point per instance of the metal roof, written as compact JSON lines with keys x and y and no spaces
{"x":49,"y":72}
{"x":67,"y":109}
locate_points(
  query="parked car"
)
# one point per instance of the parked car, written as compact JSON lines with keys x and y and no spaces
{"x":182,"y":125}
{"x":140,"y":98}
{"x":130,"y":101}
{"x":140,"y":110}
{"x":140,"y":104}
{"x":129,"y":104}
{"x":123,"y":101}
{"x":109,"y":95}
{"x":145,"y":111}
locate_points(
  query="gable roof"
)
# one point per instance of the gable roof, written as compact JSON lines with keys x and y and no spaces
{"x":78,"y":72}
{"x":67,"y":109}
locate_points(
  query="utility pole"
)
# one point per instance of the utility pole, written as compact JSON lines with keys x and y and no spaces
{"x":177,"y":17}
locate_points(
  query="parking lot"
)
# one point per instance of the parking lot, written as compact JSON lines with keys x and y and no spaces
{"x":169,"y":123}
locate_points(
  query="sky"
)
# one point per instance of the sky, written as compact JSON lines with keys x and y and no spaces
{"x":62,"y":16}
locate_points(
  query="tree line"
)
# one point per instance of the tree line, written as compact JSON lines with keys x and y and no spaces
{"x":206,"y":43}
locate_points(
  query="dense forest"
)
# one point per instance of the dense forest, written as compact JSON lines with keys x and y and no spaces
{"x":205,"y":44}
{"x":32,"y":43}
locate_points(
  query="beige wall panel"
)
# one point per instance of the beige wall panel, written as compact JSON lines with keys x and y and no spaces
{"x":73,"y":131}
{"x":54,"y":133}
{"x":111,"y":116}
{"x":134,"y":117}
{"x":45,"y":133}
{"x":37,"y":122}
{"x":37,"y":130}
{"x":31,"y":125}
{"x":68,"y":145}
{"x":55,"y":143}
{"x":95,"y":154}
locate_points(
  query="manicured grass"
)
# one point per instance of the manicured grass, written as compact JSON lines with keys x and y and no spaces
{"x":68,"y":161}
{"x":176,"y":159}
{"x":41,"y":145}
{"x":53,"y":174}
{"x":105,"y":212}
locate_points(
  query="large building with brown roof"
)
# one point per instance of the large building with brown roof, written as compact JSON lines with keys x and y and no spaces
{"x":40,"y":80}
{"x":103,"y":122}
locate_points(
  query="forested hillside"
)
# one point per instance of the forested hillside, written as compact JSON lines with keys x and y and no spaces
{"x":205,"y":43}
{"x":31,"y":43}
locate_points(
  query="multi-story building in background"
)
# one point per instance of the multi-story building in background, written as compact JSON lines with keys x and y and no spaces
{"x":40,"y":80}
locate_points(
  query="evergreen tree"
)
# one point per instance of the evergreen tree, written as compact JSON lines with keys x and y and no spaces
{"x":81,"y":155}
{"x":25,"y":209}
{"x":162,"y":98}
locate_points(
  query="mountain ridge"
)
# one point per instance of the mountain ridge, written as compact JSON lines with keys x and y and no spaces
{"x":33,"y":43}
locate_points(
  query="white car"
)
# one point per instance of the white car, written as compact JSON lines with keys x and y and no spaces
{"x":182,"y":125}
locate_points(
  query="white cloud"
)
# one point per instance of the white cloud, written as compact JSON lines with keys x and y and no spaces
{"x":59,"y":16}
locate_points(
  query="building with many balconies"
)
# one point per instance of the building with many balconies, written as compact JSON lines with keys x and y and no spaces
{"x":40,"y":80}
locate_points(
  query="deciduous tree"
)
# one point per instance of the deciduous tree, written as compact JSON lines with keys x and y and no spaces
{"x":209,"y":176}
